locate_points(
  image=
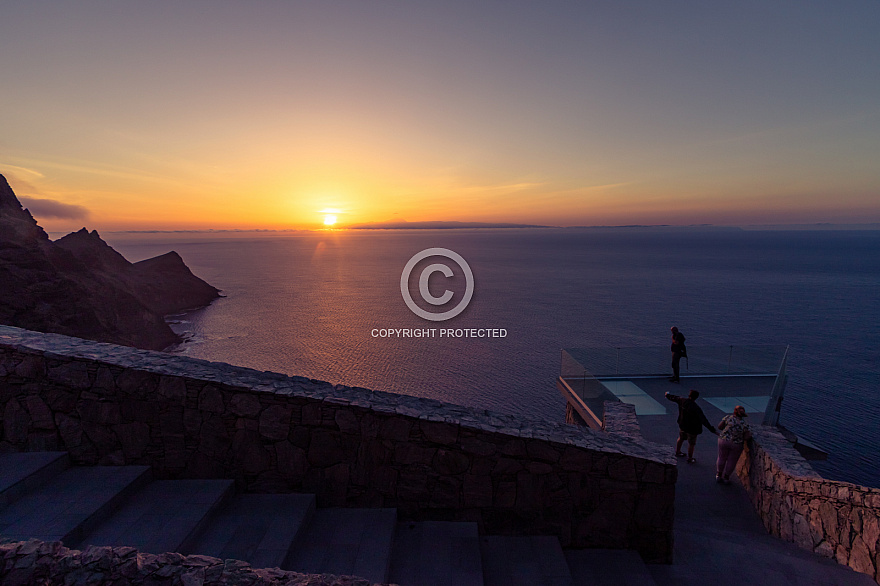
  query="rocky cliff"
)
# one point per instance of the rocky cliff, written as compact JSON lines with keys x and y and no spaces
{"x":79,"y":286}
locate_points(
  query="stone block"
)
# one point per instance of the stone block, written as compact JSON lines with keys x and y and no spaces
{"x":611,"y":519}
{"x":42,"y":441}
{"x":347,"y":421}
{"x":211,"y":400}
{"x":134,"y":438}
{"x":395,"y":429}
{"x":214,"y":437}
{"x":476,"y":491}
{"x":622,"y":468}
{"x":411,"y":453}
{"x":506,"y":466}
{"x":324,"y":449}
{"x":654,"y":473}
{"x":412,"y":484}
{"x":292,"y":462}
{"x":102,"y":438}
{"x":801,"y":532}
{"x":171,"y":423}
{"x":70,"y":430}
{"x":445,"y":493}
{"x":105,"y":382}
{"x":16,"y":422}
{"x":542,"y":450}
{"x":172,"y":389}
{"x":58,"y":399}
{"x":860,"y":558}
{"x":311,"y":414}
{"x":514,"y":447}
{"x":41,"y":416}
{"x":275,"y":422}
{"x":137,"y":383}
{"x":99,"y":411}
{"x":369,"y":426}
{"x":248,"y":453}
{"x":439,"y":432}
{"x":539,"y":467}
{"x":139,"y":410}
{"x":576,"y":459}
{"x":31,"y":367}
{"x":192,"y":423}
{"x":74,"y":375}
{"x":824,"y":549}
{"x":473,"y":445}
{"x":449,"y":462}
{"x":384,"y":479}
{"x":870,"y":529}
{"x":245,"y":405}
{"x":336,"y":479}
{"x":529,"y":491}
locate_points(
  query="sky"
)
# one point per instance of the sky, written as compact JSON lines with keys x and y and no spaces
{"x":121,"y":115}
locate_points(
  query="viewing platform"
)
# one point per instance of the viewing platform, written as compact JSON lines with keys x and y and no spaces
{"x":726,"y":376}
{"x":719,"y":535}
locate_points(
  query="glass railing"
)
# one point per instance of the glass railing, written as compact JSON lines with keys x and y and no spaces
{"x":582,"y":369}
{"x":655,"y":361}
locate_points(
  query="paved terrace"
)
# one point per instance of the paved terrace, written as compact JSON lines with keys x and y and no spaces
{"x":719,"y":538}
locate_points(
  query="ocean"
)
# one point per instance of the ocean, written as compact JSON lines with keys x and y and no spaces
{"x":312,"y":304}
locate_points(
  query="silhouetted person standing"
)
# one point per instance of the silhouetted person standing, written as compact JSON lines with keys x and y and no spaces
{"x":691,"y":421}
{"x":733,"y":434}
{"x":678,"y":351}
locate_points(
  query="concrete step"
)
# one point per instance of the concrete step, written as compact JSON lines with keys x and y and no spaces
{"x":256,"y":528}
{"x":161,"y":516}
{"x":433,"y":553}
{"x":71,"y":504}
{"x":354,"y":542}
{"x":524,"y":561}
{"x":22,"y":472}
{"x":608,"y":567}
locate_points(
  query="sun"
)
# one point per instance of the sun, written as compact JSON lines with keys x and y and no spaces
{"x":329,"y":220}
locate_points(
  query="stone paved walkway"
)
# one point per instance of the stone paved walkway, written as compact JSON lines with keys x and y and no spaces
{"x":719,"y":539}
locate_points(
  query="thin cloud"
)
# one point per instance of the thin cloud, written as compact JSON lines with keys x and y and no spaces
{"x":24,"y":170}
{"x":50,"y":208}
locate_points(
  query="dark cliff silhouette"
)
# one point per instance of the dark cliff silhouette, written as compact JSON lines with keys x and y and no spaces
{"x":79,"y":286}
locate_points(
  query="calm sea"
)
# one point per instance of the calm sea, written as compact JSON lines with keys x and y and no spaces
{"x":306,"y":304}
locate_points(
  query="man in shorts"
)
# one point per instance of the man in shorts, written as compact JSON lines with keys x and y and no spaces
{"x":691,"y":421}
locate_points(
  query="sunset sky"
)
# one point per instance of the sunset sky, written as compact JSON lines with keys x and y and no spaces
{"x":196,"y":115}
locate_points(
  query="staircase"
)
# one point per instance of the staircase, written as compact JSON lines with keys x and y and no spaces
{"x":42,"y":496}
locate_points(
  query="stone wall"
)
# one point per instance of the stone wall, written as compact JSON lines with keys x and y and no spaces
{"x":108,"y":404}
{"x":836,"y":519}
{"x":620,"y":418}
{"x":37,"y":563}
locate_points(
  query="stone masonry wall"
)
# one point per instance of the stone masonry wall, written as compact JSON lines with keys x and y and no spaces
{"x":37,"y":563}
{"x":107,"y":404}
{"x":836,"y":519}
{"x":620,"y":418}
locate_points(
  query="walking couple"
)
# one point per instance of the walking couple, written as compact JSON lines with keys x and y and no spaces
{"x":733,"y":431}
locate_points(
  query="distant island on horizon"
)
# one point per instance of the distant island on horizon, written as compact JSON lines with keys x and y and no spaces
{"x":451,"y":225}
{"x":438,"y":225}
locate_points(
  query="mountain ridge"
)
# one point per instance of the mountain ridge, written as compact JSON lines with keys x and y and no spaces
{"x":80,"y":286}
